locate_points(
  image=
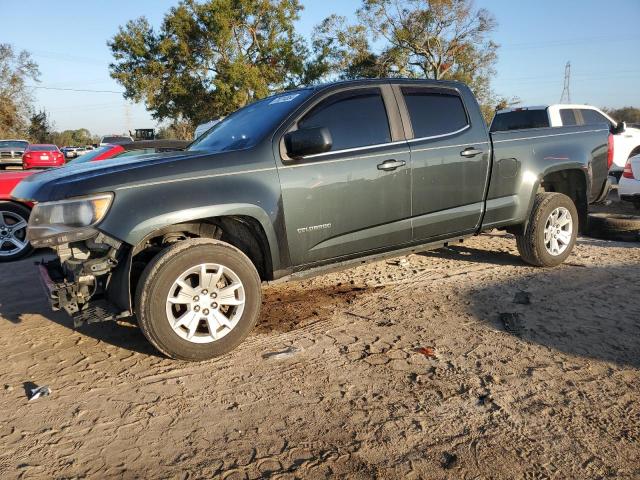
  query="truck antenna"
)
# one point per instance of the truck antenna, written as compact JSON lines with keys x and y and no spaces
{"x":566,"y":92}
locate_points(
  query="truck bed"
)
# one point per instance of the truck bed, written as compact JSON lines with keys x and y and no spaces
{"x":522,"y":159}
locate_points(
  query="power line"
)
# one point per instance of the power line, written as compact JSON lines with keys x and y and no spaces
{"x":568,"y":42}
{"x":75,"y":89}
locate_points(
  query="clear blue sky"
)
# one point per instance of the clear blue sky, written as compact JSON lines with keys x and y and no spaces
{"x":537,"y":37}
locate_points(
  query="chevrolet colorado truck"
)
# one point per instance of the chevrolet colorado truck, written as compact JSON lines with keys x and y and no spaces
{"x":291,"y":186}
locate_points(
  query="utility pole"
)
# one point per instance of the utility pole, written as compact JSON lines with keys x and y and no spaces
{"x":566,"y":92}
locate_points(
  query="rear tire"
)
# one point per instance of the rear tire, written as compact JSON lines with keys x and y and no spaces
{"x":198,"y":299}
{"x":551,"y":231}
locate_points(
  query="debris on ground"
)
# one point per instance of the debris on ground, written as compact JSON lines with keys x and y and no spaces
{"x":513,"y":322}
{"x":448,"y":460}
{"x":522,"y":298}
{"x":483,"y":397}
{"x":428,"y":352}
{"x":38,"y":392}
{"x":282,"y":354}
{"x":401,"y":262}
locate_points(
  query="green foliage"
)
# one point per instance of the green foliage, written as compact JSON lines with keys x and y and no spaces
{"x":179,"y":130}
{"x":16,"y":69}
{"x":78,"y":137}
{"x":40,"y":128}
{"x":624,"y":114}
{"x":208,"y":59}
{"x":438,"y":39}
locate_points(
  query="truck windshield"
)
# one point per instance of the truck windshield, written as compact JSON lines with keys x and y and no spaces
{"x":520,"y":120}
{"x":13,"y":144}
{"x":249,"y":125}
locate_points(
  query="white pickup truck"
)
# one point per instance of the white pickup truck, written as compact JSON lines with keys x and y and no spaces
{"x":626,"y":143}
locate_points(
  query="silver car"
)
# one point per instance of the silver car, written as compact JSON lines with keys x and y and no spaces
{"x":11,"y":152}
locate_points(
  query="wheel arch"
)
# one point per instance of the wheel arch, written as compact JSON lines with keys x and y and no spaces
{"x":571,"y":180}
{"x":635,"y":151}
{"x":239,"y":227}
{"x":199,"y":215}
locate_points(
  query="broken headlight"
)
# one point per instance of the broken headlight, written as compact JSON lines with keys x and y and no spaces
{"x":65,"y":221}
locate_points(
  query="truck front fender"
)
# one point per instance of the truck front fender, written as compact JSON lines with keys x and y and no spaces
{"x":119,"y":291}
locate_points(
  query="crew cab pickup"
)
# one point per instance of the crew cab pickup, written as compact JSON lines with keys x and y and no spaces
{"x":293,"y":185}
{"x":625,"y":140}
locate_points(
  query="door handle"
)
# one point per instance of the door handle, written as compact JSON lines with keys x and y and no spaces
{"x":470,"y":152}
{"x":389,"y":165}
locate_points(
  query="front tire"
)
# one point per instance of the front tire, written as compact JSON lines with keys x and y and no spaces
{"x":198,"y":299}
{"x":551,"y":232}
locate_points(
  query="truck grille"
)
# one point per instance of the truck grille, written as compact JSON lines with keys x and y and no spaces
{"x":10,"y":154}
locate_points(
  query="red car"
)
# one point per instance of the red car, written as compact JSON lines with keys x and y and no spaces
{"x":14,"y":215}
{"x":42,"y":156}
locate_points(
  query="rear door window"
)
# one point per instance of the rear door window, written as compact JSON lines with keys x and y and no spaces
{"x":568,"y":117}
{"x":355,"y":118}
{"x":434,"y":113}
{"x":520,"y":120}
{"x":593,"y":117}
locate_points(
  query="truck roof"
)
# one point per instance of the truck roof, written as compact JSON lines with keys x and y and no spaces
{"x":375,"y":81}
{"x":553,"y":105}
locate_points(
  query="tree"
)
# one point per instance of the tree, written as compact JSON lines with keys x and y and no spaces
{"x":16,"y":69}
{"x":437,"y":39}
{"x":208,"y":59}
{"x":624,"y":114}
{"x":344,"y":51}
{"x":176,"y":130}
{"x":81,"y":136}
{"x":40,"y":128}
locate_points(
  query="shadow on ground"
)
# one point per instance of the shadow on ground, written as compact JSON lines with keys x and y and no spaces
{"x":284,"y":308}
{"x":15,"y":306}
{"x":575,"y":310}
{"x":475,"y":255}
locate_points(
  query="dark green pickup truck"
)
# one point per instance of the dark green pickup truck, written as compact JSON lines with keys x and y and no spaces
{"x":290,"y":186}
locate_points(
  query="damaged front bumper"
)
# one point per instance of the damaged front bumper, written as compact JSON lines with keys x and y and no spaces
{"x":88,"y":280}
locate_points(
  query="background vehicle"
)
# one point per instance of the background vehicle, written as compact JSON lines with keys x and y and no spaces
{"x":69,"y":152}
{"x":629,"y":186}
{"x":143,"y":134}
{"x":42,"y":156}
{"x":11,"y":152}
{"x":290,"y":186}
{"x":115,"y":139}
{"x":14,"y":245}
{"x":626,"y":143}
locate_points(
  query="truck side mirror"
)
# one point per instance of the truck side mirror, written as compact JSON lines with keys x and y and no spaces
{"x":619,"y":128}
{"x":308,"y":141}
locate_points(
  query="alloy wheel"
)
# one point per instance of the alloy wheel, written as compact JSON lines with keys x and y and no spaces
{"x":13,"y":234}
{"x":557,"y":231}
{"x":205,"y":303}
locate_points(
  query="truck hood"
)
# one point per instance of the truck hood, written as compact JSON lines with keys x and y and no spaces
{"x":111,"y":175}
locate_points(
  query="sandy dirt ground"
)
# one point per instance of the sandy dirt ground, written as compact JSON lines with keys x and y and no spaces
{"x":397,"y":369}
